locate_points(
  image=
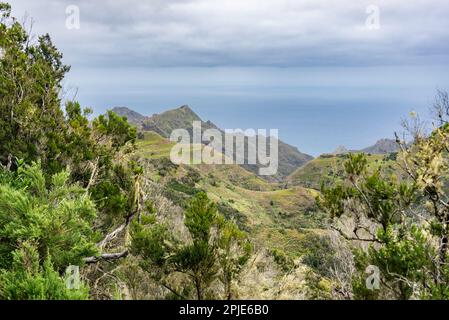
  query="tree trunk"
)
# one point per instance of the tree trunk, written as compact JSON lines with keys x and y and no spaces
{"x":199,"y":293}
{"x":443,"y":250}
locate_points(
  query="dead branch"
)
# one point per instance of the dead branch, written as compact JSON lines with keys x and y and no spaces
{"x":106,"y":257}
{"x":356,"y":238}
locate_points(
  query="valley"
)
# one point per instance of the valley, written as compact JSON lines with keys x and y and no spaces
{"x":276,"y":217}
{"x":277,"y":214}
{"x":106,"y":203}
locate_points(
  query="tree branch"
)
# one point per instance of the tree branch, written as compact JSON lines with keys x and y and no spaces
{"x":93,"y":175}
{"x":106,"y":257}
{"x":356,"y":238}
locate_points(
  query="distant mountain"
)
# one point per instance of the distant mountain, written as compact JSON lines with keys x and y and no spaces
{"x":133,"y":117}
{"x":290,"y":158}
{"x":383,"y":146}
{"x":180,"y":118}
{"x":341,"y":150}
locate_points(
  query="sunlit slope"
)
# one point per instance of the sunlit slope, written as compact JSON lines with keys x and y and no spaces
{"x":153,"y":146}
{"x":183,"y":118}
{"x":329,"y":168}
{"x":276,"y":217}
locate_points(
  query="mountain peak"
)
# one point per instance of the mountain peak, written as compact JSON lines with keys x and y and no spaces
{"x":125,"y":110}
{"x":133,"y":117}
{"x":185,"y":108}
{"x":382,"y":146}
{"x":164,"y":123}
{"x":183,"y":117}
{"x":341,"y":150}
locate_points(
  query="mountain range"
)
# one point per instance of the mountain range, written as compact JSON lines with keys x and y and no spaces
{"x":290,"y":158}
{"x":183,"y":117}
{"x":277,"y":213}
{"x":382,"y":146}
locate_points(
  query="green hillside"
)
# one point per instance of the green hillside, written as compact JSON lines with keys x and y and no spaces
{"x":276,"y":218}
{"x":164,"y":123}
{"x":329,"y":168}
{"x":183,"y":117}
{"x":94,"y":207}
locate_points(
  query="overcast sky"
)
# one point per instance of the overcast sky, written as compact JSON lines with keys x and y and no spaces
{"x":312,"y":68}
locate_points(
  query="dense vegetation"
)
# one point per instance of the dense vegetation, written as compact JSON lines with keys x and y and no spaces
{"x":73,"y":194}
{"x":405,"y":219}
{"x":93,"y":193}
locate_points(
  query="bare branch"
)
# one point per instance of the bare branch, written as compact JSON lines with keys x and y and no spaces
{"x":106,"y":257}
{"x":93,"y":175}
{"x":356,"y":238}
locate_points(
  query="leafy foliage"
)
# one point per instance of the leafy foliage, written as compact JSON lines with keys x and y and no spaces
{"x":58,"y":169}
{"x":394,"y":217}
{"x":31,"y":120}
{"x":29,"y":280}
{"x":217,"y":248}
{"x":42,"y":231}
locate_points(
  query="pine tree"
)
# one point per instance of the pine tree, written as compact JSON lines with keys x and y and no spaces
{"x":43,"y":230}
{"x":217,"y":250}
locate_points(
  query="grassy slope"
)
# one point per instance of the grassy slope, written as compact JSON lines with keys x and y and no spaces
{"x":275,"y":217}
{"x":289,"y":157}
{"x":153,"y":146}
